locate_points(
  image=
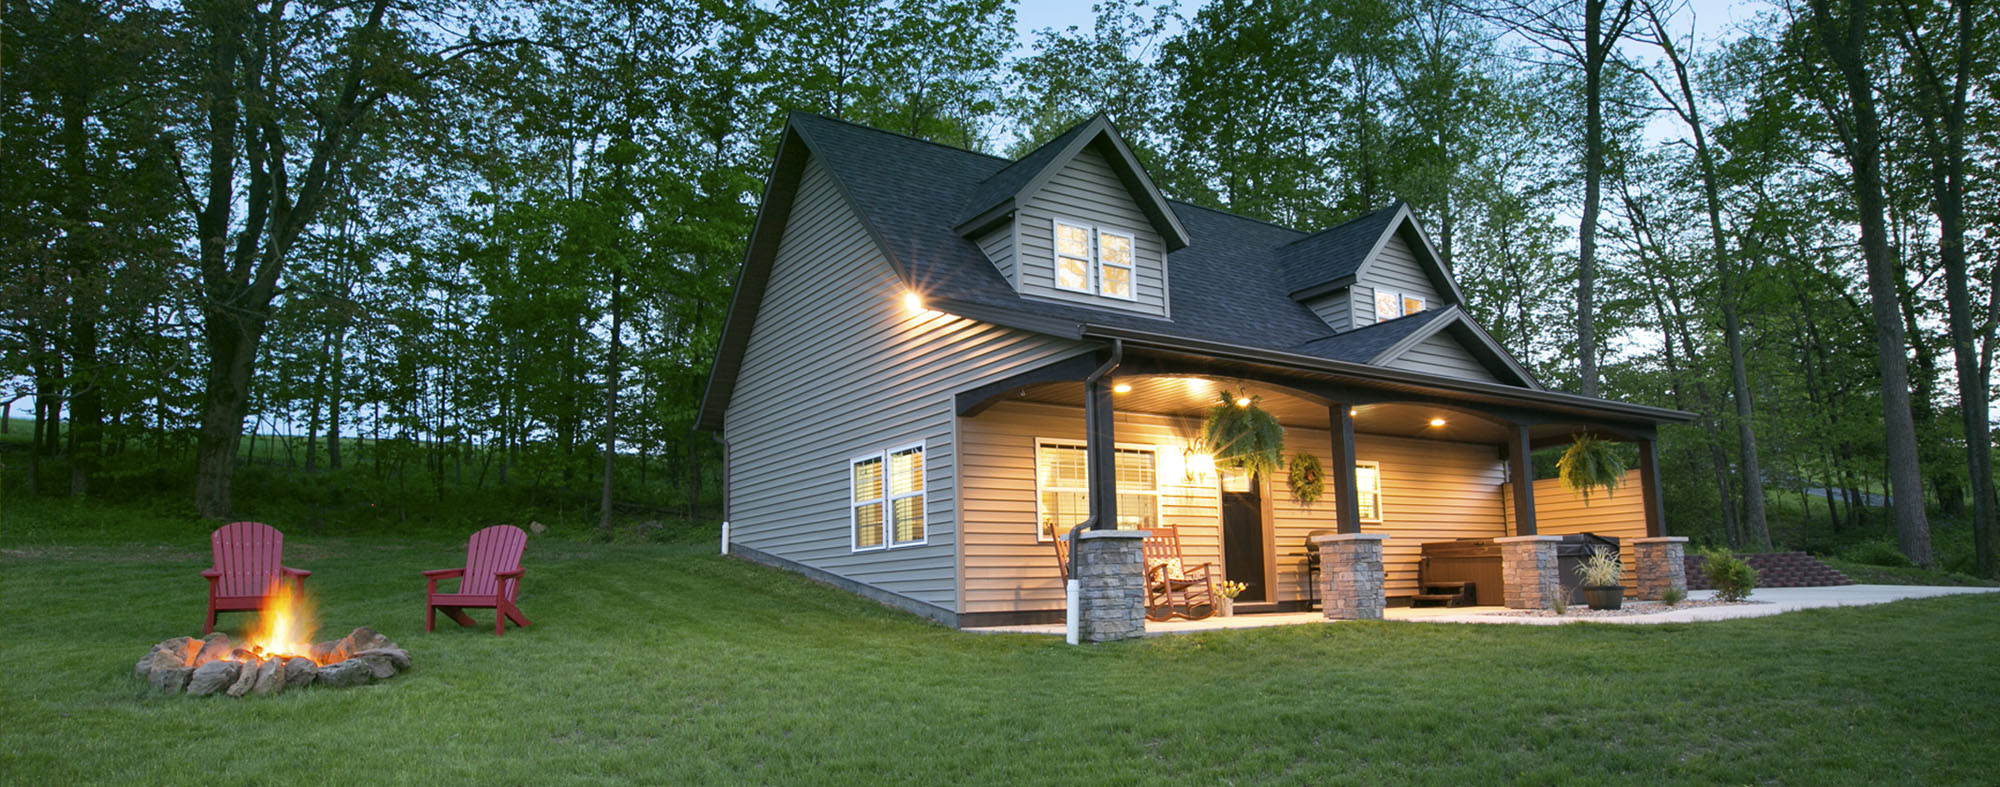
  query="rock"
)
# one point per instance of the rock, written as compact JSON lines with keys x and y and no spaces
{"x":213,"y":647}
{"x":170,"y":680}
{"x":347,"y":673}
{"x":379,"y":664}
{"x":397,"y":656}
{"x":537,"y":528}
{"x":166,"y":655}
{"x":300,"y":671}
{"x":363,"y":638}
{"x":270,"y":677}
{"x":212,"y":677}
{"x":245,"y":679}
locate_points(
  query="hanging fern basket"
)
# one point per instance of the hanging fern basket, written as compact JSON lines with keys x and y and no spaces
{"x":1307,"y":477}
{"x":1244,"y":436}
{"x":1591,"y":463}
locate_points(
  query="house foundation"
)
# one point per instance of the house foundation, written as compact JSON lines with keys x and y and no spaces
{"x":1662,"y":564}
{"x":1109,"y":566}
{"x":1350,"y":575}
{"x":1528,"y":570}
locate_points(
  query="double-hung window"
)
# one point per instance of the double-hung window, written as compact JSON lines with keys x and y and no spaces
{"x":886,"y":498}
{"x":1390,"y":304}
{"x":1368,"y":490}
{"x":1092,"y":260}
{"x":1062,"y":487}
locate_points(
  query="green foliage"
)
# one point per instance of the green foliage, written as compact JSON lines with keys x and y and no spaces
{"x":1730,"y":576}
{"x":1673,"y":596}
{"x":1559,"y":600}
{"x":1602,"y":569}
{"x":1245,"y":436}
{"x":1877,"y":553}
{"x":1591,"y":463}
{"x":1307,"y":478}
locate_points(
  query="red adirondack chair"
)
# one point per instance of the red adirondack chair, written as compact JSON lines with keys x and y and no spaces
{"x":249,"y":556}
{"x":491,"y":579}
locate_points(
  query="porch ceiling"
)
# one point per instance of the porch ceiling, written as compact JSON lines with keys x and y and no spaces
{"x":1190,"y":397}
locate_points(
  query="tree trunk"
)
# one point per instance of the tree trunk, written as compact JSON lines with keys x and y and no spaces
{"x":611,"y":377}
{"x":225,"y":402}
{"x":1846,"y":40}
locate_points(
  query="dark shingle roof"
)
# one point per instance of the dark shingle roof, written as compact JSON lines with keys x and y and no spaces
{"x":1335,"y":253}
{"x":1009,"y":181}
{"x":1227,"y":287}
{"x":1361,"y":345}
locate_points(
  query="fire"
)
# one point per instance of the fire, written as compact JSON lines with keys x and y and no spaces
{"x":286,"y":625}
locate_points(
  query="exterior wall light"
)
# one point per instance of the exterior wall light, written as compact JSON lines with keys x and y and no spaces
{"x":913,"y":302}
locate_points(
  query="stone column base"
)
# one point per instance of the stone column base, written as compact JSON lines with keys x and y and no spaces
{"x":1110,"y":571}
{"x":1662,"y":565}
{"x":1350,"y":576}
{"x":1528,"y":570}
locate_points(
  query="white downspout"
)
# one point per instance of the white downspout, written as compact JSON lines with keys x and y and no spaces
{"x":1072,"y":622}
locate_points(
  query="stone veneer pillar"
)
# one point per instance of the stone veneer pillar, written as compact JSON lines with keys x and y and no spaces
{"x":1109,"y":566}
{"x":1350,"y":575}
{"x":1662,"y":564}
{"x":1528,"y":570}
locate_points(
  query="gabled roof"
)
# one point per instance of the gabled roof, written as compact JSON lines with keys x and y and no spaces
{"x":1335,"y":258}
{"x":1232,"y":283}
{"x":1453,"y":321}
{"x":1003,"y":192}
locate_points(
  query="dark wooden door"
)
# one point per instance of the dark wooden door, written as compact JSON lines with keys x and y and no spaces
{"x":1243,"y":545}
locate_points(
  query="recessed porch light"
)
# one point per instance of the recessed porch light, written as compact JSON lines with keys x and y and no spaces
{"x":1122,"y":388}
{"x":1242,"y":401}
{"x":1437,"y":422}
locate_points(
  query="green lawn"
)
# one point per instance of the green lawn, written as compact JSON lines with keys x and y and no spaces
{"x":666,"y":663}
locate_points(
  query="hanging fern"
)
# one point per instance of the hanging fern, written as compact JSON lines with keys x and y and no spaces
{"x":1308,"y":478}
{"x":1245,"y":438}
{"x":1590,"y":463}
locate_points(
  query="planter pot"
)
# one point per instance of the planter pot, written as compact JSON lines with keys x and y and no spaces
{"x":1604,"y":598}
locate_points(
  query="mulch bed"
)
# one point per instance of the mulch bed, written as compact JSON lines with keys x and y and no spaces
{"x":1582,"y":612}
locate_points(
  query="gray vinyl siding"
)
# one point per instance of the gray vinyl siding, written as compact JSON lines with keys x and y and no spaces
{"x":1441,"y":354}
{"x":837,"y":367}
{"x":1396,"y":268}
{"x":1364,"y":305}
{"x":1087,"y":191}
{"x":999,"y":248}
{"x":1336,"y":309}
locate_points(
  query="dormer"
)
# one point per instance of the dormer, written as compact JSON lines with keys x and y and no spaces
{"x":1373,"y":269}
{"x":1078,"y":221}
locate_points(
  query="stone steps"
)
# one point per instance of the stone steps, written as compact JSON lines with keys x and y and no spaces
{"x":1775,"y":570}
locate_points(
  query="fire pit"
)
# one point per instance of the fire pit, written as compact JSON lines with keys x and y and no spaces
{"x":277,"y":655}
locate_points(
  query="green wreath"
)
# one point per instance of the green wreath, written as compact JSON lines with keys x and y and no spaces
{"x":1308,"y":478}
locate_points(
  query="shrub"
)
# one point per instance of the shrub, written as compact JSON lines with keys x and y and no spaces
{"x":1877,"y":553}
{"x":1559,"y":603}
{"x":1601,"y":569}
{"x":1731,"y":577}
{"x":1673,"y":596}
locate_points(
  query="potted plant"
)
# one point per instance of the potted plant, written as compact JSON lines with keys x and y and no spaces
{"x":1601,"y":573}
{"x":1591,"y":463}
{"x":1225,"y":597}
{"x":1243,"y":436}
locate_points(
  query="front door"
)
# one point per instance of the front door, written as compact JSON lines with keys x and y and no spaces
{"x":1243,"y":546}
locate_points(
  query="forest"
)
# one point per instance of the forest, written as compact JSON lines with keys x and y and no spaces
{"x":372,"y":262}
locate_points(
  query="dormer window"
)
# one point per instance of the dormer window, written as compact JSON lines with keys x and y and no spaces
{"x":1390,"y":304}
{"x":1092,"y":260}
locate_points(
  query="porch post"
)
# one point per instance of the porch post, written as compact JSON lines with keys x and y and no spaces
{"x":1522,"y":468}
{"x":1649,"y":489}
{"x":1346,"y":491}
{"x":1100,"y":438}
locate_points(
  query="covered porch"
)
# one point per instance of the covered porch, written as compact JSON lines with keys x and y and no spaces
{"x":1409,"y":459}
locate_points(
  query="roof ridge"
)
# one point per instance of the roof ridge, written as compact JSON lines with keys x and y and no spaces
{"x":1222,"y":212}
{"x":901,"y":135}
{"x":1350,"y":222}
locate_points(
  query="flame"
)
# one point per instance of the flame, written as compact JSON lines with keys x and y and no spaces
{"x":286,"y":624}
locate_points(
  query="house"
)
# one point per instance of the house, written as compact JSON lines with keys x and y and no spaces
{"x":937,"y":361}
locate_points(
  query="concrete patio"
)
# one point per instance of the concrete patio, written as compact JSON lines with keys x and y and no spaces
{"x":1764,"y":602}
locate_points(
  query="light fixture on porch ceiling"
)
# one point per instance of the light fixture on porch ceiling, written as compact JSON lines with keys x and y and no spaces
{"x":1437,"y":422}
{"x":1242,"y":401}
{"x":1122,"y":388}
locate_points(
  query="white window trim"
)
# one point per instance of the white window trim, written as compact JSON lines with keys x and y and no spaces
{"x":1131,"y":269}
{"x":1089,"y":256}
{"x":887,"y":501}
{"x":1377,"y":493}
{"x":1093,"y":263}
{"x":1057,"y":441}
{"x":1402,"y":300}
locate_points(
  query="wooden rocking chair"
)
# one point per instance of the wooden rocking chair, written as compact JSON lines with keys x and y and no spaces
{"x":1173,"y":588}
{"x":249,"y":560}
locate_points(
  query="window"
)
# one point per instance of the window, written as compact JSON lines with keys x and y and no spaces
{"x":887,"y":498}
{"x":1114,"y":265}
{"x":1091,"y":260}
{"x":1062,"y":487}
{"x":1390,"y":304}
{"x":1368,"y":488}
